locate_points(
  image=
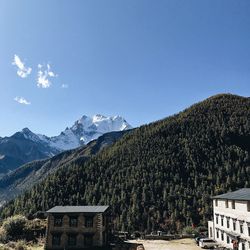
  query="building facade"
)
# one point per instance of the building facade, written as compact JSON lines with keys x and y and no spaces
{"x":77,"y":227}
{"x":231,"y":219}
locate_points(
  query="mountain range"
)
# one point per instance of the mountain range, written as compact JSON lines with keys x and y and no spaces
{"x":24,"y":177}
{"x":160,"y":176}
{"x":26,"y":146}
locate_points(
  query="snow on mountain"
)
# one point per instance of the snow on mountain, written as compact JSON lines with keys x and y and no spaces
{"x":83,"y":131}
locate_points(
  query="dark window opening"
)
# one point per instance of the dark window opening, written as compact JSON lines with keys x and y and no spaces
{"x":56,"y":240}
{"x":227,"y":223}
{"x":58,"y":221}
{"x":243,"y":246}
{"x":234,"y":226}
{"x":233,"y":204}
{"x":88,"y":240}
{"x":72,"y":240}
{"x":73,"y":221}
{"x":241,"y":229}
{"x":88,"y":221}
{"x":222,"y":236}
{"x":226,"y":203}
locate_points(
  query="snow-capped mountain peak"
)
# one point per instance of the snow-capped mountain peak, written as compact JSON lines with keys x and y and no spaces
{"x":83,"y":131}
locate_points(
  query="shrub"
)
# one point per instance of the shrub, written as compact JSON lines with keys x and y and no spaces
{"x":14,"y":226}
{"x":190,"y":230}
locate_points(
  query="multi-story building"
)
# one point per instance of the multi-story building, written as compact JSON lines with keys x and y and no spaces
{"x":231,"y":219}
{"x":77,"y":227}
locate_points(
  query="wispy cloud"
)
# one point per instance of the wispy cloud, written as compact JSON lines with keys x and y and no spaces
{"x":64,"y":86}
{"x":44,"y":75}
{"x":22,"y":71}
{"x":22,"y":100}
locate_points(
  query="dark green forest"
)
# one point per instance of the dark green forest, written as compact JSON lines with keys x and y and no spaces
{"x":161,"y":175}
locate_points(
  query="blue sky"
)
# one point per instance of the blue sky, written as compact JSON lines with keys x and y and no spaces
{"x":144,"y":60}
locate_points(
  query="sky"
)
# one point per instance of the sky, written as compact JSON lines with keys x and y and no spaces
{"x":141,"y":59}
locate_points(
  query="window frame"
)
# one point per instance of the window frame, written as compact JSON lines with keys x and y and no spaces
{"x":56,"y":219}
{"x":89,"y":221}
{"x":234,"y":225}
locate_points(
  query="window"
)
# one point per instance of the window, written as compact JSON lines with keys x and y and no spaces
{"x":217,"y":234}
{"x":56,"y":239}
{"x":222,"y":236}
{"x":228,"y":239}
{"x":233,"y":204}
{"x":248,"y":231}
{"x":228,"y":225}
{"x":248,"y":206}
{"x":73,"y":221}
{"x":243,"y":246}
{"x":241,"y":228}
{"x":234,"y":226}
{"x":88,"y":221}
{"x":211,"y":232}
{"x":222,"y":220}
{"x":58,"y":221}
{"x":88,"y":240}
{"x":226,"y":203}
{"x":72,"y":239}
{"x":216,"y":202}
{"x":217,"y":219}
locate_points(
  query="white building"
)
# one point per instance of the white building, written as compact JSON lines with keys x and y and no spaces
{"x":231,"y":219}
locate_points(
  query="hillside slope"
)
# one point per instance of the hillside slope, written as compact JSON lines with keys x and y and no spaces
{"x":32,"y":173}
{"x":159,"y":176}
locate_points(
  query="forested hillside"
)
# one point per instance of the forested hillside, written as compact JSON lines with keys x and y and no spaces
{"x":32,"y":173}
{"x":159,"y":176}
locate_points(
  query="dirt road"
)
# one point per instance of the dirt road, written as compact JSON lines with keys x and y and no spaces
{"x":183,"y":244}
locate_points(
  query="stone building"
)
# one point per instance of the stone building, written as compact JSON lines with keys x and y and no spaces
{"x":231,"y":219}
{"x":77,"y":227}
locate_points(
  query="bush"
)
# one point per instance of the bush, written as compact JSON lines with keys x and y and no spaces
{"x":190,"y":230}
{"x":3,"y":236}
{"x":14,"y":226}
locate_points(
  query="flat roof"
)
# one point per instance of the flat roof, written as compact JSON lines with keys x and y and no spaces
{"x":78,"y":209}
{"x":241,"y":195}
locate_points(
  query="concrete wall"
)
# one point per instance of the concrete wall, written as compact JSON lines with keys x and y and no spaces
{"x":224,"y":217}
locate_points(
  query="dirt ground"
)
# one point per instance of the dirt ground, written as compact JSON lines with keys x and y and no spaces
{"x":183,"y":244}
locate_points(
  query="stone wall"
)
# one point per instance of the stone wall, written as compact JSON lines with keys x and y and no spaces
{"x":98,"y":231}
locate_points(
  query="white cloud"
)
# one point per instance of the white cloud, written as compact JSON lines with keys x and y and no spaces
{"x":22,"y":71}
{"x":64,"y":86}
{"x":44,"y":75}
{"x":22,"y":100}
